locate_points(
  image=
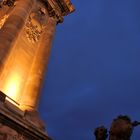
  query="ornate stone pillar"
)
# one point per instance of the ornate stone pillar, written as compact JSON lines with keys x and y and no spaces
{"x":12,"y":27}
{"x":31,"y":93}
{"x":26,"y":34}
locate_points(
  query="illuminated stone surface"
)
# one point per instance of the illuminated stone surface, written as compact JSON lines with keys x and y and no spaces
{"x":27,"y":28}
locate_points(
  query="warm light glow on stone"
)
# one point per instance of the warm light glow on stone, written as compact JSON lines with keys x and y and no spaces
{"x":3,"y":20}
{"x":12,"y":86}
{"x":11,"y":101}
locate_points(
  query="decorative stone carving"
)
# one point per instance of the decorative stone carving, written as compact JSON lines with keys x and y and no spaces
{"x":55,"y":13}
{"x":6,"y":133}
{"x":2,"y":21}
{"x":32,"y":32}
{"x":7,"y":2}
{"x":35,"y":24}
{"x":59,"y":8}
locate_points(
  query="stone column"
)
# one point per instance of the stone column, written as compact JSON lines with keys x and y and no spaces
{"x":31,"y":94}
{"x":12,"y":27}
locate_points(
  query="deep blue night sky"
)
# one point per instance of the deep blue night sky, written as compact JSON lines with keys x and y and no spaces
{"x":94,"y":70}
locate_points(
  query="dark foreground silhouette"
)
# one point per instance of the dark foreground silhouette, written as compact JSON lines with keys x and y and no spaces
{"x":121,"y":129}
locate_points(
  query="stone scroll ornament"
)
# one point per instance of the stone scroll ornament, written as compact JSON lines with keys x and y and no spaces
{"x":35,"y":25}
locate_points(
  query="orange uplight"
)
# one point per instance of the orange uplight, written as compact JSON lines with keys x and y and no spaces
{"x":12,"y":86}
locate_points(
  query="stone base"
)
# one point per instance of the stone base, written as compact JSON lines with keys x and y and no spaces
{"x":18,"y":125}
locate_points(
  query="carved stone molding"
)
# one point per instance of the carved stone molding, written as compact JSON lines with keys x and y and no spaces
{"x":14,"y":126}
{"x":35,"y":24}
{"x":32,"y":32}
{"x":59,"y":8}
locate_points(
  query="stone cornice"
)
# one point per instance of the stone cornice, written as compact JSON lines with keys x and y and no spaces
{"x":56,"y":8}
{"x":65,"y":7}
{"x":59,"y":8}
{"x":14,"y":118}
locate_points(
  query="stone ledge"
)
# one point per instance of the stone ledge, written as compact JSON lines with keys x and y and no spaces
{"x":12,"y":122}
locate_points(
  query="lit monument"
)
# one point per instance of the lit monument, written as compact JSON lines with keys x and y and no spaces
{"x":27,"y":28}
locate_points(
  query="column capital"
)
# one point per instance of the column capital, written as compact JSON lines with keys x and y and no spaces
{"x":59,"y":8}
